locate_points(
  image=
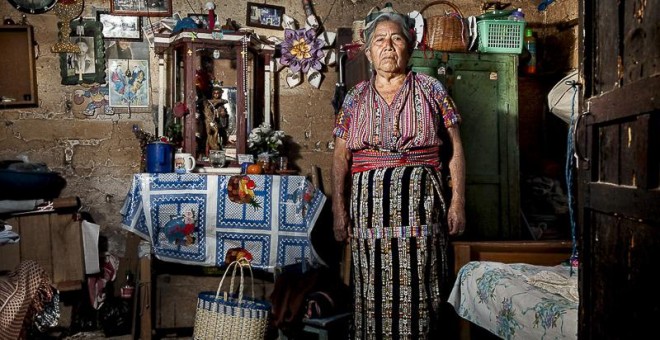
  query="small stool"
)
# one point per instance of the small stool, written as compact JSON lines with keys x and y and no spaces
{"x":323,"y":327}
{"x":337,"y":325}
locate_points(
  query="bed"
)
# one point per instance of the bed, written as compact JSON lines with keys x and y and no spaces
{"x":516,"y":290}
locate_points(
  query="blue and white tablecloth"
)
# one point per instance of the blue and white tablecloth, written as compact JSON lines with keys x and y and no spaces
{"x":195,"y":219}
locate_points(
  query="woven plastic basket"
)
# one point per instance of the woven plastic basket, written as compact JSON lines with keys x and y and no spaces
{"x":500,"y":36}
{"x":227,"y":316}
{"x":445,"y":32}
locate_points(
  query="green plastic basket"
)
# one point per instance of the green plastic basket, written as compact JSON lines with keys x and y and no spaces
{"x":500,"y":36}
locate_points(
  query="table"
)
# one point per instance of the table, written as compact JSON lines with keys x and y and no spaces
{"x":200,"y":219}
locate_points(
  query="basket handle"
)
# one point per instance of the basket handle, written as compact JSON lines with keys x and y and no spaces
{"x":238,"y":264}
{"x":231,"y":283}
{"x":454,"y":7}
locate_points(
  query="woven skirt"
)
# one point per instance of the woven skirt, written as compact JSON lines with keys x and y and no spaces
{"x":399,"y":251}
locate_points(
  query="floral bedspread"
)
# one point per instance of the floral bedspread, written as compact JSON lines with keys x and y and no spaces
{"x":518,"y":301}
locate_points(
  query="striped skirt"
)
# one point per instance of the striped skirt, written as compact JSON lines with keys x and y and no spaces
{"x":399,"y":251}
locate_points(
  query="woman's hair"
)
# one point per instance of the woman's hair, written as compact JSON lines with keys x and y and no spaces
{"x":403,"y":21}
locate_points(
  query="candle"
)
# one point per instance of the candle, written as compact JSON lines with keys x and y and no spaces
{"x":210,"y":6}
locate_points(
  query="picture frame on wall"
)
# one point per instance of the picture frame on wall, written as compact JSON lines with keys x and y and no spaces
{"x":128,"y":82}
{"x":264,"y":16}
{"x":147,"y":8}
{"x":123,"y":27}
{"x":121,"y":97}
{"x":88,"y":66}
{"x":126,"y":49}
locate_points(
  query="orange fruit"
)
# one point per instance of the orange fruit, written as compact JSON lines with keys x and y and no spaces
{"x":254,"y":169}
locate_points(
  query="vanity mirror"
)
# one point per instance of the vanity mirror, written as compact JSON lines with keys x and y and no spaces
{"x":18,"y":83}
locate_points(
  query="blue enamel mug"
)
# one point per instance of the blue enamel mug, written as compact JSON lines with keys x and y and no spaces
{"x":160,"y":157}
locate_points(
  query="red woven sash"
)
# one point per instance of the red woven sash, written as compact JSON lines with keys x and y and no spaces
{"x":369,"y":159}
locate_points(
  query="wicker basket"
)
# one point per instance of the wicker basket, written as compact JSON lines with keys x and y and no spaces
{"x":445,"y":32}
{"x":229,"y":316}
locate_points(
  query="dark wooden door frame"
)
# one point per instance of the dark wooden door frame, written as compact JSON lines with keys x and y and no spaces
{"x":618,"y":139}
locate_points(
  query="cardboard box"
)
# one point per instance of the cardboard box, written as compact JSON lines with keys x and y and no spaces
{"x":54,"y":241}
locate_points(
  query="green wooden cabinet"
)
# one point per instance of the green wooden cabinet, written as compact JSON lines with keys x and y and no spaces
{"x":485,"y":90}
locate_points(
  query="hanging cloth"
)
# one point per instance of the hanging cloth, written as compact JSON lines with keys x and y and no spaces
{"x":340,"y":86}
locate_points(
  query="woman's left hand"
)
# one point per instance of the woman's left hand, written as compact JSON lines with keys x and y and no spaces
{"x":456,"y":219}
{"x":456,"y":213}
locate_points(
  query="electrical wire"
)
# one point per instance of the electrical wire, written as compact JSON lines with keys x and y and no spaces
{"x":322,"y":21}
{"x":192,"y":9}
{"x":570,"y":162}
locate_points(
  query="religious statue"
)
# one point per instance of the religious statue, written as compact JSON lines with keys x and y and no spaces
{"x":217,"y":119}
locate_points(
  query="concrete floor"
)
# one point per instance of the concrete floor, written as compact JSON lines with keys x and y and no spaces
{"x":99,"y":335}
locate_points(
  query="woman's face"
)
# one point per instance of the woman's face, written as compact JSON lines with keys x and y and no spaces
{"x":389,"y":49}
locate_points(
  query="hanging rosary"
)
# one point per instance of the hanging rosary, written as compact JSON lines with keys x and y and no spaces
{"x":245,"y":82}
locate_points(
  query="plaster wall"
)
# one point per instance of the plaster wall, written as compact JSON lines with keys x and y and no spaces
{"x":98,"y":154}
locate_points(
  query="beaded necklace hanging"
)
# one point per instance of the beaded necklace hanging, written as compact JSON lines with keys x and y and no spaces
{"x":244,"y":48}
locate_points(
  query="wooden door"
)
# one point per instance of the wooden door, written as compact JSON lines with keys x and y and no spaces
{"x":618,"y":173}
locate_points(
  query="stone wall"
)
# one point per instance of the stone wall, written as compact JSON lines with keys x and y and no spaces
{"x":98,"y":154}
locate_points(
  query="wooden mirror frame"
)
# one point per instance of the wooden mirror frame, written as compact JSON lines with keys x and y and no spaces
{"x":185,"y":90}
{"x":18,"y":84}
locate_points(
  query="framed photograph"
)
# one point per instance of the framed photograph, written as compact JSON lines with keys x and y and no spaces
{"x":245,"y":158}
{"x":202,"y":20}
{"x":128,"y":82}
{"x":266,"y":16}
{"x":122,"y":49}
{"x":88,"y":66}
{"x":120,"y":26}
{"x":141,"y":8}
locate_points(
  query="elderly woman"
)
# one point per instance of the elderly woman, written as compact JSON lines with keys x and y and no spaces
{"x":392,"y":208}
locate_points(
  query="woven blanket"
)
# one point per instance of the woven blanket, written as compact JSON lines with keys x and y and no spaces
{"x":205,"y":219}
{"x":508,"y":301}
{"x":22,"y":296}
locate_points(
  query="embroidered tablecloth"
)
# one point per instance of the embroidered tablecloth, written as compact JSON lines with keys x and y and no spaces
{"x":200,"y":219}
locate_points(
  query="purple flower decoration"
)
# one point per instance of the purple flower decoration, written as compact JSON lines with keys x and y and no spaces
{"x":301,"y":50}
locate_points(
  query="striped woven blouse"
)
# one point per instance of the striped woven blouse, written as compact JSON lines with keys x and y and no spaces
{"x":412,"y":121}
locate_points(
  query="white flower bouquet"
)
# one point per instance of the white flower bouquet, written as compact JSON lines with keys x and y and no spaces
{"x":265,"y":140}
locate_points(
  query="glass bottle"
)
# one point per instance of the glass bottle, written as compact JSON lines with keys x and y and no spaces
{"x":264,"y":160}
{"x":530,"y":45}
{"x":128,"y":288}
{"x":517,"y":15}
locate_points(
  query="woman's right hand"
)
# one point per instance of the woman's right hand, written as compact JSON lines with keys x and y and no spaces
{"x":340,"y":226}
